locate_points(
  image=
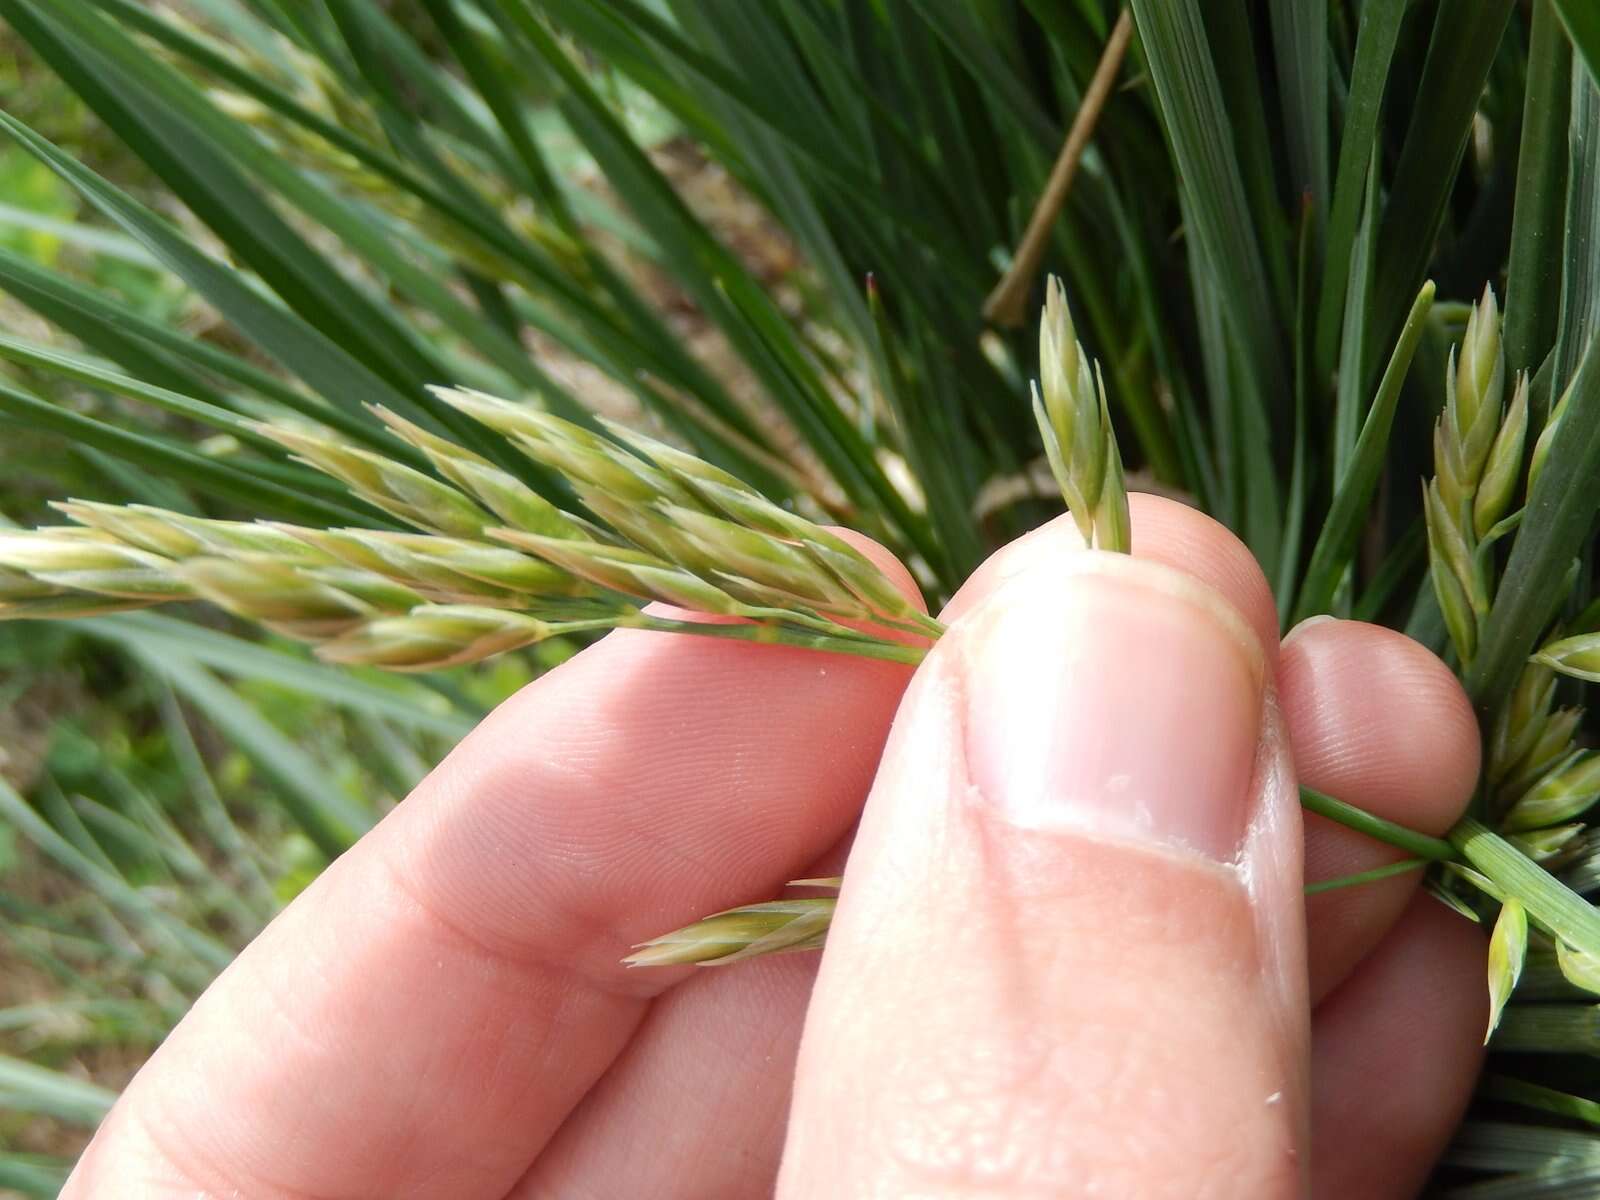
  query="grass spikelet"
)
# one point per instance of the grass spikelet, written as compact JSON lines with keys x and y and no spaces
{"x":290,"y":601}
{"x":1579,"y":969}
{"x":1074,"y":420}
{"x":1508,"y":949}
{"x":63,"y":558}
{"x":514,"y":502}
{"x":395,"y":488}
{"x":1577,"y":656}
{"x":1563,"y":794}
{"x":431,"y":637}
{"x":771,"y":927}
{"x":626,"y":570}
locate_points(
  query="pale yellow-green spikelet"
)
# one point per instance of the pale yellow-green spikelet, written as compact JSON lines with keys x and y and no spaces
{"x":397,"y":489}
{"x":181,"y":536}
{"x":728,"y":549}
{"x":771,"y":927}
{"x":625,"y":570}
{"x":1553,"y":846}
{"x":865,"y":580}
{"x":1577,"y":656}
{"x":569,"y":449}
{"x":1074,"y":421}
{"x":1503,"y":472}
{"x":1566,"y":792}
{"x":733,"y":498}
{"x":143,"y":528}
{"x":698,"y":516}
{"x":1580,"y":970}
{"x":1553,"y":745}
{"x":1474,"y":399}
{"x":448,"y":570}
{"x":514,"y":502}
{"x":88,"y":561}
{"x":1457,"y":582}
{"x":431,"y":637}
{"x":1508,"y":949}
{"x":1521,"y":720}
{"x":292,"y":601}
{"x":1113,"y":526}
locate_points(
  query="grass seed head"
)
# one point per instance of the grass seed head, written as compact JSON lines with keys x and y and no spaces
{"x":569,"y":449}
{"x":447,"y":570}
{"x":144,"y":529}
{"x":724,"y":548}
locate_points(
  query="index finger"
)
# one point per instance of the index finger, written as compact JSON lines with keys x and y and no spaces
{"x":424,"y":1016}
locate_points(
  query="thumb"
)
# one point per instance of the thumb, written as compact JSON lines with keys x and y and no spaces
{"x":1069,"y":959}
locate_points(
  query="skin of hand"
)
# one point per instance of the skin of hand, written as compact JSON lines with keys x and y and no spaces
{"x":1071,"y":957}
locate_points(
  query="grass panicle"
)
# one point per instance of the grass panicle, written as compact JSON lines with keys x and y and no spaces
{"x":665,"y":529}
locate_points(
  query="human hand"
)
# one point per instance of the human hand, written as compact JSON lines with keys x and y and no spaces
{"x":1070,"y":959}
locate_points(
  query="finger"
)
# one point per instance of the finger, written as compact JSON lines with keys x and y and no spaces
{"x":706,"y":1079}
{"x":705,"y":1083}
{"x":424,"y":1016}
{"x":1377,"y":720}
{"x":1395,"y":1053}
{"x":1050,"y":971}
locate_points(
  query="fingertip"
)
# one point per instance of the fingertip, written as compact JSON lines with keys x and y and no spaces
{"x":1377,"y":719}
{"x":1164,"y":531}
{"x":1171,"y":532}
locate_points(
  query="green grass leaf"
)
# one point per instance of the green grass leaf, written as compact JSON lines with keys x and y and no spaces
{"x":1580,"y":251}
{"x":1466,"y":38}
{"x":26,"y":1087}
{"x":249,"y":489}
{"x":1353,"y":496}
{"x":1582,"y":20}
{"x":1218,"y":212}
{"x":1534,"y":273}
{"x":1376,"y":37}
{"x":406,"y":702}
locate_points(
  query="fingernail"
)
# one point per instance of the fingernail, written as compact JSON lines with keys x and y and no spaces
{"x":1309,"y":623}
{"x":1117,"y":697}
